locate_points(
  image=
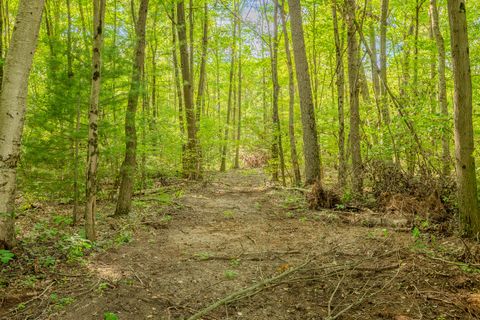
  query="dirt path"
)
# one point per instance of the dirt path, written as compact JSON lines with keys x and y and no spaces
{"x":235,"y":231}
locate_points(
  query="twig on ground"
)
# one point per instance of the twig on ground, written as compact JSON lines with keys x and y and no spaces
{"x":456,"y":263}
{"x":333,"y":294}
{"x":247,"y":292}
{"x":26,"y":303}
{"x":364,"y":296}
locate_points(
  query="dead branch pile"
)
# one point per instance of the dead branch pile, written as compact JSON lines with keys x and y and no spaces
{"x":256,"y":159}
{"x":425,"y":195}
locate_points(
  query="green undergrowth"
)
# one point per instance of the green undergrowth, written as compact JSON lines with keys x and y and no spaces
{"x":51,"y":245}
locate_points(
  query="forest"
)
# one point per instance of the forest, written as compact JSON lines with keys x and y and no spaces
{"x":239,"y":159}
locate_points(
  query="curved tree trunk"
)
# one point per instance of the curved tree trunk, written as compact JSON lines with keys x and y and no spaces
{"x":127,"y":171}
{"x":13,"y":103}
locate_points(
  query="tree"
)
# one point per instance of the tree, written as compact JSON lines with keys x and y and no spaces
{"x":291,"y":93}
{"x":311,"y":151}
{"x":127,"y":172}
{"x":1,"y":40}
{"x":383,"y":62}
{"x":277,"y":149}
{"x":13,"y":105}
{"x":462,"y":102}
{"x":224,"y":149}
{"x":192,"y":148}
{"x":178,"y":88}
{"x":236,"y":163}
{"x":442,"y":85}
{"x":353,"y":80}
{"x":340,"y":73}
{"x":203,"y":77}
{"x":92,"y":156}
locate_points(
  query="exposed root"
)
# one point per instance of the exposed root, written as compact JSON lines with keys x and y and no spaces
{"x":320,"y":198}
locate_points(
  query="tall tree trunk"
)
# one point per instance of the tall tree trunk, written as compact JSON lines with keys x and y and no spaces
{"x":203,"y":64}
{"x":264,"y":95}
{"x":375,"y":77}
{"x":179,"y":91}
{"x":1,"y":40}
{"x":353,"y":79}
{"x":76,"y":121}
{"x":442,"y":85}
{"x":433,"y":74}
{"x":383,"y":62}
{"x":291,"y":105}
{"x":418,"y":7}
{"x":201,"y":83}
{"x":127,"y":172}
{"x":13,"y":105}
{"x":277,"y":150}
{"x":363,"y":83}
{"x":92,"y":161}
{"x":145,"y":116}
{"x":314,"y":57}
{"x":236,"y":163}
{"x":340,"y":72}
{"x":310,"y":140}
{"x":191,"y":29}
{"x":230,"y":94}
{"x":462,"y":101}
{"x":192,"y":149}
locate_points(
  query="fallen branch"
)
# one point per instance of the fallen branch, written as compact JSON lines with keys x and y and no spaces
{"x":26,"y":303}
{"x":247,"y":292}
{"x":364,"y":297}
{"x":455,"y":263}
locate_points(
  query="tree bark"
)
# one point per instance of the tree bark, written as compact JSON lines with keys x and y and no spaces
{"x":230,"y":94}
{"x":1,"y":40}
{"x":201,"y":84}
{"x":340,"y":83}
{"x":76,"y":120}
{"x":13,"y":104}
{"x":203,"y":64}
{"x":442,"y":85}
{"x":462,"y":101}
{"x":191,"y":47}
{"x":383,"y":62}
{"x":92,"y":161}
{"x":291,"y":106}
{"x":127,"y":171}
{"x":353,"y":79}
{"x":277,"y":150}
{"x":375,"y":77}
{"x":310,"y":138}
{"x":179,"y":91}
{"x":191,"y":150}
{"x":236,"y":163}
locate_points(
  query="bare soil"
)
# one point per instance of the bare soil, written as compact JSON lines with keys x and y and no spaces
{"x":237,"y":230}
